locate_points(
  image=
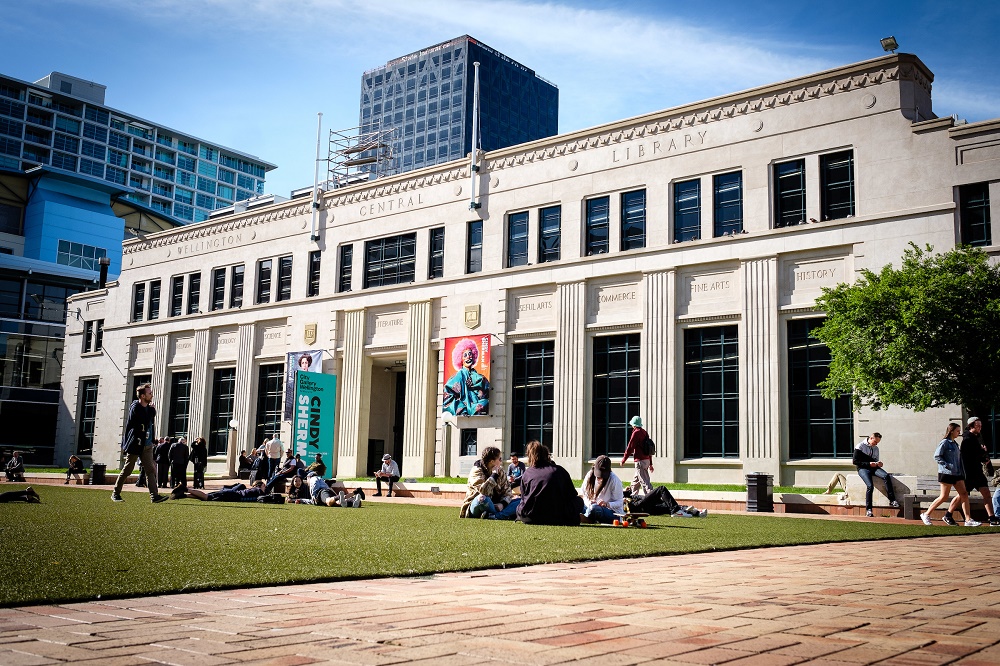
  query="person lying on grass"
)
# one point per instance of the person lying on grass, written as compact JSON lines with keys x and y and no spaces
{"x":323,"y":495}
{"x":488,"y":494}
{"x":660,"y":503}
{"x":27,"y":495}
{"x":235,"y":493}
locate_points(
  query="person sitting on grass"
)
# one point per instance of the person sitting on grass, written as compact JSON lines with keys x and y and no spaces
{"x":15,"y":468}
{"x":27,"y":495}
{"x":319,"y":466}
{"x":323,"y":495}
{"x":298,"y":491}
{"x":548,"y":496}
{"x":514,"y":471}
{"x":75,"y":469}
{"x":489,"y":494}
{"x":602,"y":493}
{"x":660,"y":503}
{"x":234,"y":493}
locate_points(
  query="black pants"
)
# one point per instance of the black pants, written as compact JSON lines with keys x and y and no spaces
{"x":178,"y":475}
{"x":162,"y":472}
{"x":14,"y":496}
{"x":17,"y":476}
{"x":659,"y":502}
{"x":378,"y":483}
{"x":199,"y":476}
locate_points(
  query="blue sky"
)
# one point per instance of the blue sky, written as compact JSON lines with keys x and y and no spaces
{"x":252,"y":74}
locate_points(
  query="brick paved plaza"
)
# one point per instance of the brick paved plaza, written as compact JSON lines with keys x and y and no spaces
{"x":920,"y":602}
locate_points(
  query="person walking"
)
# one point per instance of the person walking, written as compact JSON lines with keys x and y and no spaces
{"x":136,"y":444}
{"x":951,"y":473}
{"x":273,"y":448}
{"x":974,"y":456}
{"x":179,"y":455}
{"x":199,"y":458}
{"x":643,"y":461}
{"x":161,"y":456}
{"x":869,"y":466}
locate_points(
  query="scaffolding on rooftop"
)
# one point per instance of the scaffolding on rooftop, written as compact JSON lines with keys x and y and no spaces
{"x":359,"y":154}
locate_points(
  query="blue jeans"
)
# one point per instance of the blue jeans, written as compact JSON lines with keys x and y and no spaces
{"x":601,"y":514}
{"x":996,"y":502}
{"x":483,"y":504}
{"x":866,"y":474}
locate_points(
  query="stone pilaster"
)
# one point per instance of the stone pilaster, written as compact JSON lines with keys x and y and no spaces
{"x":421,"y":378}
{"x":159,"y":382}
{"x":571,"y":371}
{"x":201,"y":399}
{"x":245,"y":407}
{"x":760,"y":429}
{"x":656,"y":397}
{"x":355,"y":398}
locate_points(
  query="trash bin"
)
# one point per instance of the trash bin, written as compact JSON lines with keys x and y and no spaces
{"x":97,"y":474}
{"x":760,"y":492}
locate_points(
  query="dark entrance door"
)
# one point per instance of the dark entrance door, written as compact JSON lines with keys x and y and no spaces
{"x":398,"y":418}
{"x":376,"y":448}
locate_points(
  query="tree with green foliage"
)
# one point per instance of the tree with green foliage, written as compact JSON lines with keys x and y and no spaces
{"x":923,"y":335}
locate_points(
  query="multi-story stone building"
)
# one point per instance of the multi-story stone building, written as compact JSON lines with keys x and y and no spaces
{"x":666,"y":265}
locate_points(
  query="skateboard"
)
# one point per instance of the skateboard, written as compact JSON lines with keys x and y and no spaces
{"x":631,"y":519}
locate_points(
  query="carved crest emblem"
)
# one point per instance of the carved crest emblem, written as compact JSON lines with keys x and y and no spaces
{"x":471,"y":316}
{"x":310,"y":334}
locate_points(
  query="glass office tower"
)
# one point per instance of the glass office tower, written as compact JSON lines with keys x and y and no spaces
{"x":62,"y":121}
{"x":426,"y":98}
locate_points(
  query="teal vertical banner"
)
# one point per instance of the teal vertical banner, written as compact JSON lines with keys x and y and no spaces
{"x":315,"y":410}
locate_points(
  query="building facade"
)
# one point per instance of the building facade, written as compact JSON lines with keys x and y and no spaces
{"x":426,"y":100}
{"x":666,"y":265}
{"x":62,"y":121}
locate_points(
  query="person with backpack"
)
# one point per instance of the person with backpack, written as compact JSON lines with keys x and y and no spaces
{"x":641,"y":449}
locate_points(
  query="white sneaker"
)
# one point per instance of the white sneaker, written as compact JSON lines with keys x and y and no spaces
{"x":972,"y":523}
{"x":703,"y":514}
{"x":682,"y":514}
{"x":927,"y":519}
{"x":357,"y":502}
{"x":340,"y":498}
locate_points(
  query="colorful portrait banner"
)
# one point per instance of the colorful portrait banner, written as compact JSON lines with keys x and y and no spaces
{"x":315,"y":411}
{"x":306,"y":361}
{"x":467,"y":375}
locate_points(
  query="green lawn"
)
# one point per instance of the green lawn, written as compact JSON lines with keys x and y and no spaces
{"x":78,"y":545}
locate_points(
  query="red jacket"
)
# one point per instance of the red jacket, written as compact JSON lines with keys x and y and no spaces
{"x":634,"y":447}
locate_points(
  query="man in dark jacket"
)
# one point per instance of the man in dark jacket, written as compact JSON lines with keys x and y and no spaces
{"x":974,"y":455}
{"x":137,"y":443}
{"x":161,"y":454}
{"x":866,"y":460}
{"x":548,"y":496}
{"x":179,"y":455}
{"x":199,"y":458}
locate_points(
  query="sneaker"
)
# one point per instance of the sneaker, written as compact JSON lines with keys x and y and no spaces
{"x":869,"y":514}
{"x":115,"y":497}
{"x":359,"y":492}
{"x":340,"y":498}
{"x":156,"y":499}
{"x":681,"y":514}
{"x":33,"y":497}
{"x":357,"y":502}
{"x":389,"y":495}
{"x":894,"y":504}
{"x":66,"y":482}
{"x":994,"y":521}
{"x":972,"y":523}
{"x":948,"y":520}
{"x":703,"y":514}
{"x":927,"y":519}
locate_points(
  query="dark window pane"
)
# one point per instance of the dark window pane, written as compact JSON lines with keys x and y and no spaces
{"x":837,"y":185}
{"x":687,"y":210}
{"x":633,"y":231}
{"x":597,"y":226}
{"x":711,"y":397}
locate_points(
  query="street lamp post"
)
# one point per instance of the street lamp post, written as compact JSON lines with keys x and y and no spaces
{"x":231,"y":454}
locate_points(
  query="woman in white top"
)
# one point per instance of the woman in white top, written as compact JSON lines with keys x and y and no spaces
{"x":602,"y":492}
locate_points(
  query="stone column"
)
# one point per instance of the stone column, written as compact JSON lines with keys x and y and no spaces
{"x":355,"y":398}
{"x":421,"y":378}
{"x":656,"y":397}
{"x":759,"y":382}
{"x":159,"y":382}
{"x":201,"y":398}
{"x":245,"y":408}
{"x":571,"y":371}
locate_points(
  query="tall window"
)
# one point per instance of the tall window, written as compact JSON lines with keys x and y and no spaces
{"x":218,"y":289}
{"x":517,"y":239}
{"x":312,"y":288}
{"x":711,"y":393}
{"x":176,"y":295}
{"x":549,"y":222}
{"x":534,"y":400}
{"x":154,"y":299}
{"x":88,"y":416}
{"x":236,"y":286}
{"x":346,"y":265}
{"x":138,"y":300}
{"x":837,"y":185}
{"x":469,"y":445}
{"x":270,"y":387}
{"x":88,"y":336}
{"x":974,"y":209}
{"x":615,"y":391}
{"x":99,"y":335}
{"x":990,"y":436}
{"x":728,"y":202}
{"x":180,"y":404}
{"x":789,"y":193}
{"x":391,"y":260}
{"x":284,"y":279}
{"x":194,"y":292}
{"x":633,"y":231}
{"x":474,"y":254}
{"x":597,"y":226}
{"x":435,"y":267}
{"x":687,"y":210}
{"x":818,"y":427}
{"x":264,"y":281}
{"x":93,"y":335}
{"x":223,"y":401}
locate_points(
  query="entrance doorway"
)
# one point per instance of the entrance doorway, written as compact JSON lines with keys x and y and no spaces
{"x":386,"y":418}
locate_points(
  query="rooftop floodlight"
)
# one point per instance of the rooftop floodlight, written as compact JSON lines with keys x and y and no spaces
{"x":889,"y":44}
